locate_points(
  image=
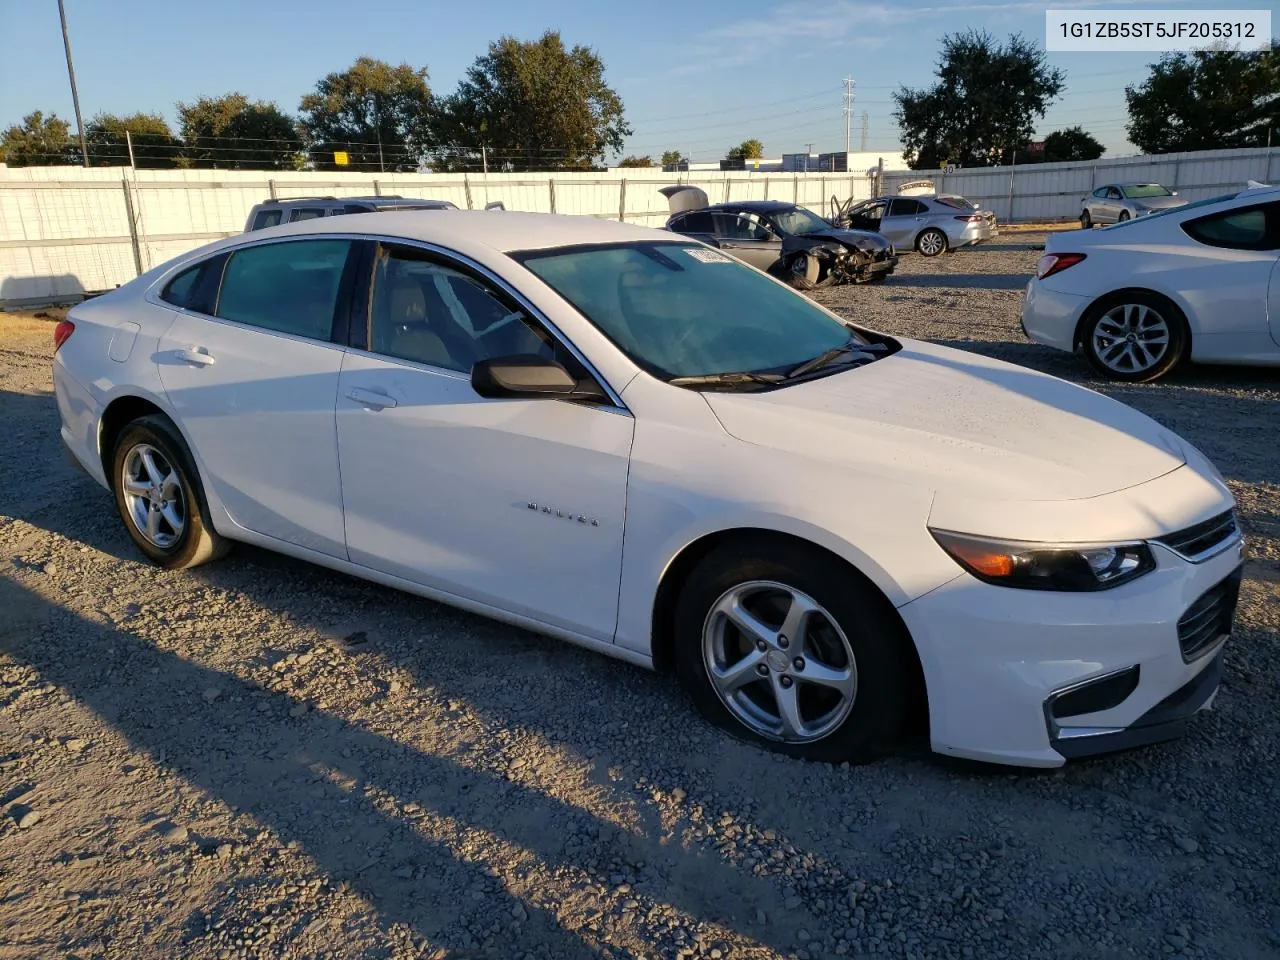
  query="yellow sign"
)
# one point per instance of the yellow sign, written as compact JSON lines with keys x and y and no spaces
{"x":340,"y":158}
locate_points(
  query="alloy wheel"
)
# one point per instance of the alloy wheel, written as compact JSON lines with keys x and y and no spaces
{"x":152,"y":489}
{"x":932,"y":243}
{"x":800,"y":265}
{"x":779,"y":662}
{"x":1131,"y":338}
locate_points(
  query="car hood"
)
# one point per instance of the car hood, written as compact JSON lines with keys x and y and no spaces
{"x":862,"y":239}
{"x":1159,"y":203}
{"x":961,"y":423}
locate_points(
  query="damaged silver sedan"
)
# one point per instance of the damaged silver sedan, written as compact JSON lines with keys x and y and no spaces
{"x":782,"y":239}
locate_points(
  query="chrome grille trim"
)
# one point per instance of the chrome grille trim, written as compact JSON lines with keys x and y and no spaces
{"x":1205,"y":540}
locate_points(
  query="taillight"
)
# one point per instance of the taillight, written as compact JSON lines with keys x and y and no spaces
{"x":62,"y":333}
{"x":1052,"y":263}
{"x":971,"y":218}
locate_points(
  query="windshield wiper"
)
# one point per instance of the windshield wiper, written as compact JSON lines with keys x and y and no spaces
{"x":736,"y":378}
{"x":856,"y":351}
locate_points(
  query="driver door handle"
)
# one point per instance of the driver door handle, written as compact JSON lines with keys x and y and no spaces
{"x":370,"y":398}
{"x":197,"y":355}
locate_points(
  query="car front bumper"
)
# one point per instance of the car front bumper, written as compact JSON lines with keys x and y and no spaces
{"x":1051,"y":317}
{"x":999,"y":663}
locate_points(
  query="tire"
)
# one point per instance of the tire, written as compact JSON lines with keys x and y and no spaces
{"x":1086,"y":221}
{"x":1124,"y":215}
{"x":852,"y":632}
{"x":803,"y":270}
{"x":151,"y":451}
{"x":931,"y":242}
{"x":1143,"y":320}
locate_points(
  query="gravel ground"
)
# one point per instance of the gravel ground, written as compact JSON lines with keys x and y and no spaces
{"x":264,"y":759}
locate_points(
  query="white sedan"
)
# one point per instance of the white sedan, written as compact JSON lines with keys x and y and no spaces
{"x":1199,"y":282}
{"x":630,"y":441}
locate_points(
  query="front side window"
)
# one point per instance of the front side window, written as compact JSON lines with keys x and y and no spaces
{"x":679,"y":310}
{"x":739,"y":226}
{"x":1245,"y":228}
{"x":902,"y":207}
{"x":1101,"y":193}
{"x":427,"y":312}
{"x":289,"y":287}
{"x":1113,"y":194}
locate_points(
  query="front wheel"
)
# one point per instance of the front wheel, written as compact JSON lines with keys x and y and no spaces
{"x":782,"y":648}
{"x":931,"y":243}
{"x":1086,"y":221}
{"x":159,"y":497}
{"x":1135,"y":337}
{"x":803,"y":272}
{"x":1124,"y":215}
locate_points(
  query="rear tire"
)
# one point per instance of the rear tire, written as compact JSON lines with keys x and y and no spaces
{"x":159,"y":496}
{"x":1135,"y":337}
{"x":851,"y":704}
{"x":931,"y":242}
{"x":1086,"y":221}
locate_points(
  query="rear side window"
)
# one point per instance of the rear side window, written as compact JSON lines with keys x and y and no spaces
{"x":195,"y":287}
{"x":699,"y":222}
{"x":267,"y":218}
{"x":355,"y":208}
{"x":305,"y":213}
{"x":289,"y":287}
{"x":1245,"y":228}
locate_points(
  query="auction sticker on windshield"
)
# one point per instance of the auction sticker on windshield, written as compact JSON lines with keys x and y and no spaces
{"x":1156,"y":31}
{"x":707,"y":256}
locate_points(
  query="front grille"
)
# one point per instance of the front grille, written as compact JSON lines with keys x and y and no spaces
{"x":1200,"y":539}
{"x":1209,"y":617}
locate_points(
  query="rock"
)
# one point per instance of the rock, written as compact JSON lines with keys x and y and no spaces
{"x":1187,"y":845}
{"x":803,"y":936}
{"x":25,"y":817}
{"x":211,"y":694}
{"x":393,"y":686}
{"x":792,"y":903}
{"x":404,"y":873}
{"x":223,"y":851}
{"x":299,"y":711}
{"x":76,"y":744}
{"x":171,"y":832}
{"x":1175,"y":941}
{"x":263,"y":706}
{"x":995,"y":915}
{"x":761,"y":917}
{"x":519,"y":913}
{"x":678,"y":795}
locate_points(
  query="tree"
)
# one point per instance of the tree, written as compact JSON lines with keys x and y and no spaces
{"x":232,"y":133}
{"x":40,"y":141}
{"x":535,"y":105}
{"x":378,"y":114}
{"x":983,"y":106}
{"x":154,"y":145}
{"x":636,"y":162}
{"x":1073,"y":143}
{"x":671,"y":158}
{"x":1207,"y":99}
{"x":747,"y":150}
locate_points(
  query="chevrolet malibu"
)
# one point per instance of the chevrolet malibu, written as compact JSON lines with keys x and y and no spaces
{"x":631,"y":441}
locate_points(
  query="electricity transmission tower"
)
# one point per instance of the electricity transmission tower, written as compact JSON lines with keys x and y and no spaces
{"x":848,"y":113}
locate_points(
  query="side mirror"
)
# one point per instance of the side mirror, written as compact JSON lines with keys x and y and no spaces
{"x":523,"y":376}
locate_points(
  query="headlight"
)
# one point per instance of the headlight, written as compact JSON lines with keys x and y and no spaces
{"x":1037,"y":566}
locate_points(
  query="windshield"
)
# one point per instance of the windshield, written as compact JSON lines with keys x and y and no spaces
{"x":1172,"y":211}
{"x":685,"y":310}
{"x":798,"y":221}
{"x":1139,"y":191}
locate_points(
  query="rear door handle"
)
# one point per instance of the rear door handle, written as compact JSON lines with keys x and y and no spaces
{"x":197,"y":355}
{"x":370,"y":398}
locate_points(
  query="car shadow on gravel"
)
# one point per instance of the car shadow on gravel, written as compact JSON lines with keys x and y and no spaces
{"x":339,"y":789}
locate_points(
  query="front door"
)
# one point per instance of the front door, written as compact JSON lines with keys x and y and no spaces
{"x":254,"y":388}
{"x":867,"y":216}
{"x":514,"y":503}
{"x":904,"y":218}
{"x":744,"y":236}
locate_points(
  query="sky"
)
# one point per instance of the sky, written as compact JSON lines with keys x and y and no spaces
{"x":694,"y":76}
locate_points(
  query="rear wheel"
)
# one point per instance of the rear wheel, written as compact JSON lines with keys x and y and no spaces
{"x":1135,"y":337}
{"x":785,"y":649}
{"x":1086,"y":221}
{"x":931,"y":242}
{"x":159,"y":497}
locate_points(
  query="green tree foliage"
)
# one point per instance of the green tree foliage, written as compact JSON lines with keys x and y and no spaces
{"x":154,"y":145}
{"x":1206,"y":100}
{"x":636,"y":162}
{"x":747,"y":150}
{"x":535,"y":106}
{"x":672,"y":157}
{"x":39,"y":141}
{"x":232,"y":133}
{"x":1073,"y":143}
{"x":370,"y":103}
{"x":984,"y":104}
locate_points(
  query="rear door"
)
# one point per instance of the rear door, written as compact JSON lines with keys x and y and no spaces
{"x":252,"y":374}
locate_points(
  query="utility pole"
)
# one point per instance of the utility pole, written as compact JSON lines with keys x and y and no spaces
{"x":128,"y":139}
{"x":71,"y":73}
{"x":808,"y":151}
{"x":848,"y":114}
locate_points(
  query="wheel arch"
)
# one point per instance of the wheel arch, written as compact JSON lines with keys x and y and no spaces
{"x":683,"y":563}
{"x":1088,"y":313}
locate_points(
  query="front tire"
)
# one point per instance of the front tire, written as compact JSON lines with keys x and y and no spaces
{"x":1124,"y":215}
{"x":931,"y":243}
{"x":159,"y":496}
{"x":782,"y":647}
{"x":803,"y":272}
{"x":1135,"y":337}
{"x":1086,"y":221}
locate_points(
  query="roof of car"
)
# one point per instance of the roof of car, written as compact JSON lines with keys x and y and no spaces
{"x":500,"y":230}
{"x":756,"y":206}
{"x":382,"y":201}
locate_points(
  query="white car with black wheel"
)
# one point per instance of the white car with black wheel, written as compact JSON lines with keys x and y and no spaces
{"x":628,"y":440}
{"x":1200,"y":282}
